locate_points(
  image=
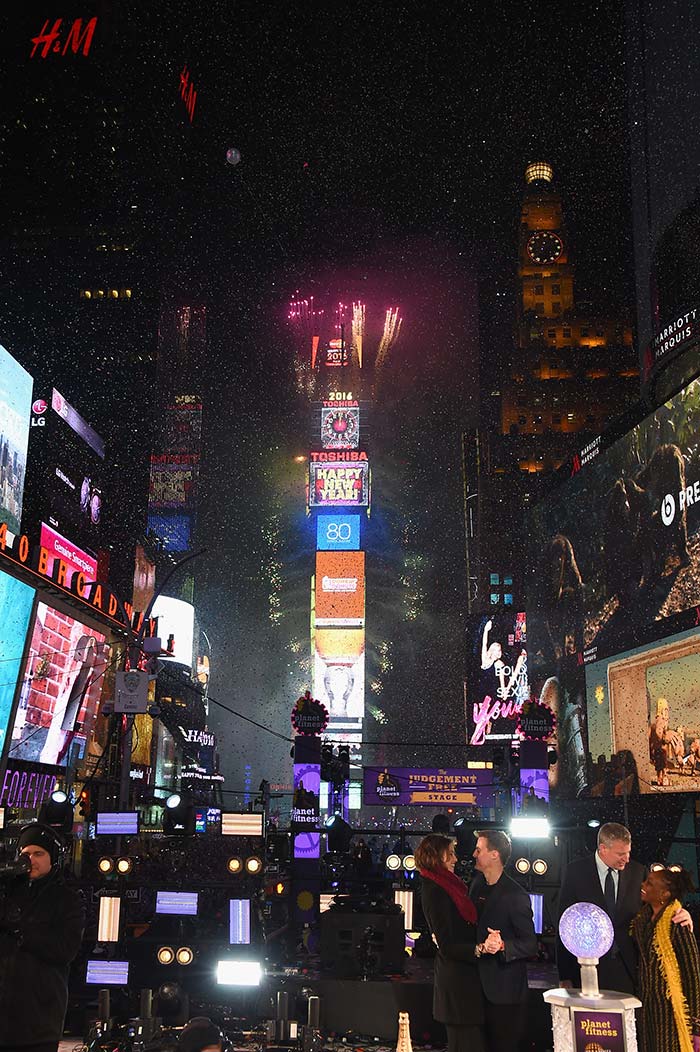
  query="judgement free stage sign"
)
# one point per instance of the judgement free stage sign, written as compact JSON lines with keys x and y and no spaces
{"x":432,"y":786}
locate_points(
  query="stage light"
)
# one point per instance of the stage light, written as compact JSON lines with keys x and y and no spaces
{"x":166,"y":955}
{"x":393,"y":862}
{"x":539,"y":867}
{"x":253,"y":865}
{"x":184,"y":956}
{"x":57,"y":812}
{"x":339,"y":835}
{"x":403,"y":897}
{"x":179,"y":818}
{"x":108,"y":919}
{"x":522,"y":866}
{"x":234,"y":865}
{"x":409,"y":863}
{"x":675,"y":868}
{"x":459,"y":822}
{"x":105,"y":865}
{"x":529,"y":828}
{"x":124,"y":866}
{"x":238,"y":973}
{"x":593,"y":823}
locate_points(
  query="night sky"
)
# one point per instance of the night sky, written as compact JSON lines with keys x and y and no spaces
{"x":383,"y":147}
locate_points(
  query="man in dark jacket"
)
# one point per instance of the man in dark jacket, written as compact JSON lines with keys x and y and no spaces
{"x":610,"y":880}
{"x":506,"y":934}
{"x":41,"y":928}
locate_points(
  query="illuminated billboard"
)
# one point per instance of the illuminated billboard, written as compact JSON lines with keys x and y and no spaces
{"x":342,"y":483}
{"x":340,"y":426}
{"x":61,"y":549}
{"x":614,"y":582}
{"x":175,"y":629}
{"x":61,"y":686}
{"x":432,"y":787}
{"x":616,"y":547}
{"x":16,"y":601}
{"x":644,"y":718}
{"x":15,"y":418}
{"x":338,"y":533}
{"x":498,"y":685}
{"x":175,"y":473}
{"x":66,"y":485}
{"x":340,"y":588}
{"x":339,"y":674}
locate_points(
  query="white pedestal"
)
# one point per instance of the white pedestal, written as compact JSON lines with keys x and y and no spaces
{"x":579,"y":1021}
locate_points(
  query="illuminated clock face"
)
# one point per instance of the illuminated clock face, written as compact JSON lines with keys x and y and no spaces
{"x":544,"y":247}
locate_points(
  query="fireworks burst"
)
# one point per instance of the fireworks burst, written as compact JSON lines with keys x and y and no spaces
{"x":392,"y":328}
{"x":306,"y":320}
{"x":358,"y":329}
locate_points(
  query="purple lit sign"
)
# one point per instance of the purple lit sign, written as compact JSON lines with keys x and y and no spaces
{"x":431,"y":786}
{"x":25,"y":789}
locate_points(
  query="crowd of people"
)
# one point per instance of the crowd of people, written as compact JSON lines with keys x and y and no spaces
{"x":485,"y":934}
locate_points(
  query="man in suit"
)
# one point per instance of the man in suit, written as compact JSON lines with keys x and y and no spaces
{"x":506,"y":935}
{"x":610,"y":880}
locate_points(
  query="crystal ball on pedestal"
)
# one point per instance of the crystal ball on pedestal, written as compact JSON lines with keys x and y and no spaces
{"x":586,"y":930}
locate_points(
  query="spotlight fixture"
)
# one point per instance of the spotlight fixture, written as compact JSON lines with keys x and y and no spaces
{"x":529,"y":828}
{"x":124,"y":866}
{"x":166,"y":955}
{"x":522,"y":866}
{"x":458,"y":822}
{"x":409,"y":863}
{"x":393,"y":862}
{"x":179,"y":817}
{"x":105,"y":865}
{"x":173,"y":801}
{"x":656,"y":867}
{"x":539,"y":867}
{"x":593,"y":823}
{"x":253,"y":865}
{"x":238,"y":973}
{"x":234,"y":865}
{"x":184,"y":956}
{"x":57,"y":812}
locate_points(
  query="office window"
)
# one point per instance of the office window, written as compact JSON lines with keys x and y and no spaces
{"x":507,"y":581}
{"x":495,"y":578}
{"x":539,"y":308}
{"x":539,"y":290}
{"x":522,"y":420}
{"x":495,"y":598}
{"x":552,"y":333}
{"x":555,"y":290}
{"x":507,"y":599}
{"x":567,"y":333}
{"x":556,"y":308}
{"x":585,"y":332}
{"x":556,"y":420}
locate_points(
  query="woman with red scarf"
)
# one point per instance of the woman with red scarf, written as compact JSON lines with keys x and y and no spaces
{"x":451,"y":917}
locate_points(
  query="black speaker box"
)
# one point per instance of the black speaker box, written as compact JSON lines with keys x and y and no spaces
{"x":354,"y":944}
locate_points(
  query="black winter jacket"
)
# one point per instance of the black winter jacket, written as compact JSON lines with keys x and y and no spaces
{"x":41,"y":928}
{"x":457,"y":995}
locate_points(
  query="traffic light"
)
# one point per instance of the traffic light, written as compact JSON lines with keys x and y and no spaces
{"x":84,"y":803}
{"x":343,"y":763}
{"x":327,"y":761}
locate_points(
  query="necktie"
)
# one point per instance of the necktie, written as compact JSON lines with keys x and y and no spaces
{"x":609,"y":894}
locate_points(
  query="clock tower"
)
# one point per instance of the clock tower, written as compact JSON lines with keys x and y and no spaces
{"x":545,"y":271}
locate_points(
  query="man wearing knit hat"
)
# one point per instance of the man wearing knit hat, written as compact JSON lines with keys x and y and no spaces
{"x":41,"y":928}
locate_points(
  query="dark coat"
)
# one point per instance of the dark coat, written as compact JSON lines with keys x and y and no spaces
{"x":508,"y":910}
{"x":457,"y":991}
{"x":41,"y":928}
{"x":617,"y":970}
